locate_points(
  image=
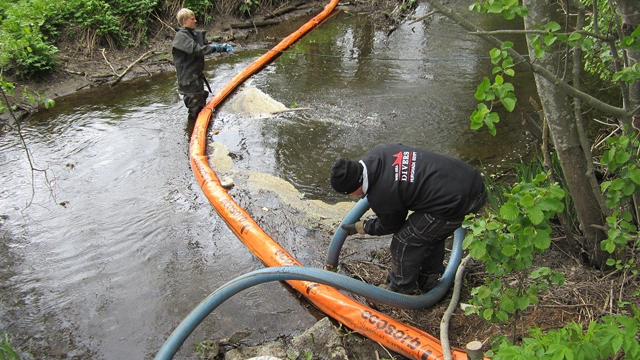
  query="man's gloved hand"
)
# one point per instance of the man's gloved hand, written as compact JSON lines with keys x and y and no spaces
{"x":214,"y":48}
{"x":227,"y":48}
{"x":356,"y":228}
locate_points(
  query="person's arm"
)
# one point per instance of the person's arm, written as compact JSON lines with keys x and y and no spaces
{"x":385,"y":223}
{"x":187,"y":44}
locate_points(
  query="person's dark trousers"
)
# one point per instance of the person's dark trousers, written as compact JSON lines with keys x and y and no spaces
{"x":417,"y":252}
{"x":417,"y":249}
{"x":195,"y":103}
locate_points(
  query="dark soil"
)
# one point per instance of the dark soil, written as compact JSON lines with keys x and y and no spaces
{"x":586,"y":295}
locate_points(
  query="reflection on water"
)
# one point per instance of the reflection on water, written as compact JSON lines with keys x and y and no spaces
{"x":118,"y":243}
{"x":364,"y":88}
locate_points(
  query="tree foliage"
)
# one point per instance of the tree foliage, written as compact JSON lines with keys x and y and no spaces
{"x":600,"y":38}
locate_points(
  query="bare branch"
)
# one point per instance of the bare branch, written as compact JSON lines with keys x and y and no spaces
{"x":548,"y":75}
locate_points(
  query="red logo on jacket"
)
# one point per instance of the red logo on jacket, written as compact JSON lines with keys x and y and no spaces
{"x":404,"y":166}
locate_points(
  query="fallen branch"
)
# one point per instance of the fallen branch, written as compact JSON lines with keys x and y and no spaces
{"x":107,"y":61}
{"x":284,"y":10}
{"x":252,"y":24}
{"x":164,"y":23}
{"x":446,"y":317}
{"x":146,"y":55}
{"x":423,"y":17}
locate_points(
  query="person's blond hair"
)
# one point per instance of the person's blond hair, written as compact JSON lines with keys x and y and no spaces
{"x":184,"y":13}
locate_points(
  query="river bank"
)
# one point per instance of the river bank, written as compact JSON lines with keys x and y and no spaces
{"x":80,"y":68}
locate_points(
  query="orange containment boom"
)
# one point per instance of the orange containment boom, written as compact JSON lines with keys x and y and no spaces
{"x":403,"y":339}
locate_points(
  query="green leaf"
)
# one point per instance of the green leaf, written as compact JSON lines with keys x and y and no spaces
{"x":628,"y":189}
{"x":487,"y":314}
{"x":506,"y":44}
{"x":550,"y":39}
{"x":535,"y":214}
{"x":542,"y":241}
{"x":560,"y":352}
{"x":574,"y":37}
{"x":507,"y":304}
{"x":483,"y":292}
{"x":634,"y":175}
{"x":617,"y":184}
{"x":552,"y":26}
{"x":483,"y":88}
{"x":527,"y":201}
{"x":509,"y":103}
{"x":622,"y":157}
{"x":490,"y":120}
{"x":509,"y":212}
{"x":508,"y":250}
{"x":495,"y":8}
{"x":477,"y":250}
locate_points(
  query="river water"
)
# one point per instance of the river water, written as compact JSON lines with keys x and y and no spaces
{"x":106,"y":251}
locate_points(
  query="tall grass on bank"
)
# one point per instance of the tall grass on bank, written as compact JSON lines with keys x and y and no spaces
{"x":526,"y":172}
{"x":6,"y":351}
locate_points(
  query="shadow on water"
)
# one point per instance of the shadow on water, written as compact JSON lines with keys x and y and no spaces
{"x":119,"y":243}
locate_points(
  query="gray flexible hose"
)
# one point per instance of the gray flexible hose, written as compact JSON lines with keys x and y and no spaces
{"x":446,"y":280}
{"x":343,"y":282}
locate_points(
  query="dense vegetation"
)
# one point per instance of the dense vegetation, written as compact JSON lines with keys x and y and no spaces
{"x":31,"y":29}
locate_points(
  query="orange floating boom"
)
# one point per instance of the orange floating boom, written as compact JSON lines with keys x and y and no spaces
{"x":401,"y":338}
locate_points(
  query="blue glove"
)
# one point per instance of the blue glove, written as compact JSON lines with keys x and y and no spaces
{"x":227,"y":47}
{"x":214,"y":48}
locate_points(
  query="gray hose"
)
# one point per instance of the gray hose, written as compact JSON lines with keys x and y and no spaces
{"x":343,"y":282}
{"x":340,"y":236}
{"x":420,"y":301}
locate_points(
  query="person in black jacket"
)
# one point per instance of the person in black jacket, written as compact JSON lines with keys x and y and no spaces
{"x":439,"y":191}
{"x":189,"y":48}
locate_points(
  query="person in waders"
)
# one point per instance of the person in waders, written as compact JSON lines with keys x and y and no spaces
{"x":189,"y":48}
{"x":438,"y":190}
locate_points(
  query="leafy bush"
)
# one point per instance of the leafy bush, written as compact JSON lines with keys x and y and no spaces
{"x":24,"y":48}
{"x":506,"y":241}
{"x":612,"y":337}
{"x":202,"y":9}
{"x":29,"y":29}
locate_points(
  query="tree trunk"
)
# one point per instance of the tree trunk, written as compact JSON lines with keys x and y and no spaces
{"x":630,"y":14}
{"x":564,"y":132}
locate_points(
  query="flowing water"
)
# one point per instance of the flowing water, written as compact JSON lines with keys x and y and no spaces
{"x":107,"y":253}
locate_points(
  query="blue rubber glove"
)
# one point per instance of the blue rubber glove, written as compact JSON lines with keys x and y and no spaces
{"x":214,"y":48}
{"x":228,"y":47}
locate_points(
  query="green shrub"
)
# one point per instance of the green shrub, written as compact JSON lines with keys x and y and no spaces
{"x":613,"y":337}
{"x":202,"y":9}
{"x":506,"y":240}
{"x":25,"y":50}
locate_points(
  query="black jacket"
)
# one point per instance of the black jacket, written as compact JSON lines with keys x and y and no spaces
{"x":402,"y":178}
{"x":189,"y":49}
